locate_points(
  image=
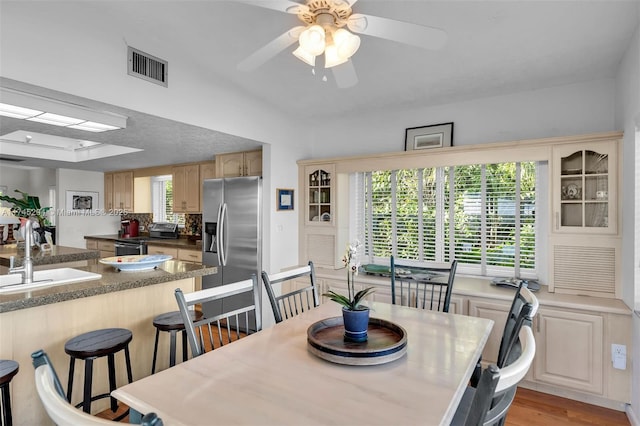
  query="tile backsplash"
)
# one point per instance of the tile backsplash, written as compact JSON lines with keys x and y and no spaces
{"x":193,"y":222}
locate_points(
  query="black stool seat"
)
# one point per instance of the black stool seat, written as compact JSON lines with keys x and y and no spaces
{"x":8,"y":369}
{"x":171,"y":322}
{"x":95,"y":344}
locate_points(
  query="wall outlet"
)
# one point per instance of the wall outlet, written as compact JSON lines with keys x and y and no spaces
{"x":619,"y":356}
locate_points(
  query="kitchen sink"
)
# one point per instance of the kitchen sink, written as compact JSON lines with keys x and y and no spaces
{"x":12,"y":283}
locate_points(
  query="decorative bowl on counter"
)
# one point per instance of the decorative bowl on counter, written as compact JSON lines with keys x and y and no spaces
{"x":141,"y":262}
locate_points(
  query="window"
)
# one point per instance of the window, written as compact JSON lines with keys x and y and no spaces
{"x":162,"y":201}
{"x":482,"y":215}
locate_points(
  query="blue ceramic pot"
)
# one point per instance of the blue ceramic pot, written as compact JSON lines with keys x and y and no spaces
{"x":355,"y":324}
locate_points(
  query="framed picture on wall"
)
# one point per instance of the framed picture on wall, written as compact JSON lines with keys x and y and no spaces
{"x":81,"y":200}
{"x":284,"y":199}
{"x":426,"y":137}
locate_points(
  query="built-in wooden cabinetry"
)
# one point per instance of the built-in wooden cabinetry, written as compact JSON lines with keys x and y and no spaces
{"x":585,"y":236}
{"x":107,"y":248}
{"x":207,"y":171}
{"x":118,"y":191}
{"x":186,"y":188}
{"x":234,"y":164}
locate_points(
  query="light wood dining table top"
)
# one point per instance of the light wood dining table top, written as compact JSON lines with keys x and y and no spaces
{"x":271,"y":378}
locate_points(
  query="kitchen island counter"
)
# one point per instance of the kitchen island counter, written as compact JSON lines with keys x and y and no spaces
{"x":111,"y":281}
{"x":57,"y":254}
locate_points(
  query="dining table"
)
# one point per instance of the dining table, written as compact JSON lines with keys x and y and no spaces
{"x":273,"y":377}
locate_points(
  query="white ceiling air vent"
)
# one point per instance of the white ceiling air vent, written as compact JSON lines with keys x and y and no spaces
{"x":147,"y":67}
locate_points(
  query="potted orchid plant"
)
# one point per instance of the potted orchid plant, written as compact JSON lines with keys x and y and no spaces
{"x":355,"y":315}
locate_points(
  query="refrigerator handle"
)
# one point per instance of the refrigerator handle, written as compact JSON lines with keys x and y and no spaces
{"x":219,"y":234}
{"x":225,"y":239}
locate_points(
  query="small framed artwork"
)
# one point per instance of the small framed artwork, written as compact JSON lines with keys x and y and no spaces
{"x":81,"y":200}
{"x":284,"y":199}
{"x":426,"y":137}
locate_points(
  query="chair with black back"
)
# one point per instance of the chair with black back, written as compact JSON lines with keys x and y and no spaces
{"x":524,"y":305}
{"x":55,"y":401}
{"x":226,"y":327}
{"x":489,"y":403}
{"x":302,"y":297}
{"x":425,"y":287}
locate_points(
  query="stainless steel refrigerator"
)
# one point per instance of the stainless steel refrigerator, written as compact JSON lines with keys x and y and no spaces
{"x":232,"y":236}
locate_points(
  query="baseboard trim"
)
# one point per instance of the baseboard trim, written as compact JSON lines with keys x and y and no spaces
{"x":631,"y":415}
{"x":577,"y":396}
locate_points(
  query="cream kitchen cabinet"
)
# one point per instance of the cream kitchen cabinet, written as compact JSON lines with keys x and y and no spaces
{"x":585,"y":187}
{"x":187,"y":255}
{"x":118,"y":191}
{"x":497,"y":311}
{"x":569,"y":349}
{"x":234,"y":164}
{"x":207,"y":171}
{"x":318,"y":194}
{"x":186,"y":188}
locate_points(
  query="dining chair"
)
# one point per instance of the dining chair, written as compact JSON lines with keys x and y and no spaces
{"x":489,"y":403}
{"x":55,"y":403}
{"x":426,"y":287}
{"x":524,"y":307}
{"x":302,"y":298}
{"x":226,"y":327}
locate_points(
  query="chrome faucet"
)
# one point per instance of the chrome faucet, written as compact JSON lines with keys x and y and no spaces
{"x":26,"y":270}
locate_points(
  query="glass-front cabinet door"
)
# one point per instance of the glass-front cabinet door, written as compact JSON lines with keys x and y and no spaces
{"x":319,"y":194}
{"x":584,"y":187}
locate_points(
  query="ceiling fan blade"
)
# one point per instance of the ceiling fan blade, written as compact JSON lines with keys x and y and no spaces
{"x":270,"y":50}
{"x":402,"y":32}
{"x":345,"y":75}
{"x":285,"y":6}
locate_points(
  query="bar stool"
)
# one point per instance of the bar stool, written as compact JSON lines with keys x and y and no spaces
{"x":92,"y":345}
{"x":8,"y":369}
{"x":171,"y":322}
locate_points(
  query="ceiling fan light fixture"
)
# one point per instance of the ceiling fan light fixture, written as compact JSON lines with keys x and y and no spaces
{"x":313,"y":40}
{"x":331,"y":57}
{"x":346,"y":43}
{"x":305,"y":56}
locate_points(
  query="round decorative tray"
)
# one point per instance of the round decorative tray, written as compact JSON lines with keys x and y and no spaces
{"x":143,"y":262}
{"x":386,"y":342}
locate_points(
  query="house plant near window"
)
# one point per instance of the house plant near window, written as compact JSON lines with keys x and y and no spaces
{"x":355,"y":315}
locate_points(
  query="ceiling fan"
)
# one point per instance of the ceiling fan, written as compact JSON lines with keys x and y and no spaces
{"x":324,"y":35}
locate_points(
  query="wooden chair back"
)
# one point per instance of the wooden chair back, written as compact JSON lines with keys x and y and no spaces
{"x":300,"y":299}
{"x":425,"y":287}
{"x":489,"y":403}
{"x":214,"y":331}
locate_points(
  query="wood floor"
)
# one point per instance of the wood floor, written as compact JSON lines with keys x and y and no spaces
{"x":531,"y":408}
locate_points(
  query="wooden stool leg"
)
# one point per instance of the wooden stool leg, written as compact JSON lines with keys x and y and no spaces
{"x":88,"y":377}
{"x":184,"y":345}
{"x":128,"y":362}
{"x":155,"y":352}
{"x":6,"y":406}
{"x":112,"y":381}
{"x":72,"y":364}
{"x":172,"y":348}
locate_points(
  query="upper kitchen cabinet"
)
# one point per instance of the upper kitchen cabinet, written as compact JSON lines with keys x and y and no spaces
{"x":207,"y":171}
{"x":186,"y":188}
{"x":585,"y":180}
{"x":236,"y":164}
{"x":118,"y":191}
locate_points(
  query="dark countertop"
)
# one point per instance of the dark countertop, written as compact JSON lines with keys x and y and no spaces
{"x":111,"y":281}
{"x":58,"y":254}
{"x":183,"y":243}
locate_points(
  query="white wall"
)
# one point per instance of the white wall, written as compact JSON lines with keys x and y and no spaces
{"x":559,"y":111}
{"x":15,"y":178}
{"x":72,"y":229}
{"x":628,"y":118}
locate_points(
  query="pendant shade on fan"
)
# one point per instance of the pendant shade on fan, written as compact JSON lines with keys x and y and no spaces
{"x":338,"y":45}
